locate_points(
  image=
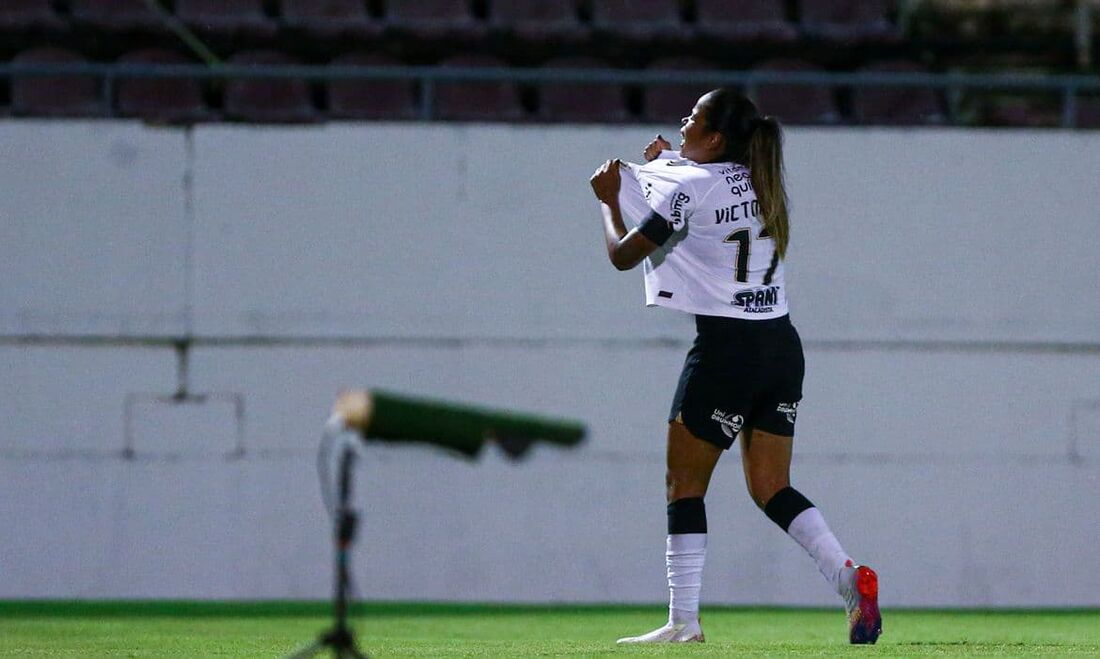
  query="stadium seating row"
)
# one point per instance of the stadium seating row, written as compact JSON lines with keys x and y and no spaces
{"x":267,"y":100}
{"x":560,"y":20}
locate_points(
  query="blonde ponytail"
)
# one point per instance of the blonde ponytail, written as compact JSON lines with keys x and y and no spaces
{"x":766,"y":164}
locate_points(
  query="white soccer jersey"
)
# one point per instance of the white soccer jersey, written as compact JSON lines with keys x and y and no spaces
{"x":715,"y":262}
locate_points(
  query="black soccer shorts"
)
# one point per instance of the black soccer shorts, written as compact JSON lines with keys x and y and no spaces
{"x":740,"y":374}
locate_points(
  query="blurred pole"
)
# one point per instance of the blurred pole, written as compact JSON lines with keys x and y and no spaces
{"x":906,"y":10}
{"x":427,"y":99}
{"x":1069,"y":107}
{"x":1083,"y":34}
{"x":108,"y":95}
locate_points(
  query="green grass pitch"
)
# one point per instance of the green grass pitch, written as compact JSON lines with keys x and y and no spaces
{"x":272,"y":629}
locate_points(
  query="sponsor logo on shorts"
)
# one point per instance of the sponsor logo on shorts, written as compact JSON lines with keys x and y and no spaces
{"x":757,"y":300}
{"x":730,"y":423}
{"x":790,"y":409}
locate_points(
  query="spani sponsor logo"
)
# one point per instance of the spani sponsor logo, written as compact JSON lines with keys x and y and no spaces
{"x":757,"y":300}
{"x":730,"y":423}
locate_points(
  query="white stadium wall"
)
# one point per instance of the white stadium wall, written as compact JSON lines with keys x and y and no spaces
{"x":945,"y":282}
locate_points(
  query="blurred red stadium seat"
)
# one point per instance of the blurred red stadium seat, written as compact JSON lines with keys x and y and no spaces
{"x":267,"y":100}
{"x":29,"y":15}
{"x":169,"y":100}
{"x":538,"y":20}
{"x":434,"y":19}
{"x":116,"y":15}
{"x":54,"y":96}
{"x":848,"y":20}
{"x":1021,"y":110}
{"x":326,"y":19}
{"x":477,"y":101}
{"x":639,"y":19}
{"x":581,"y":101}
{"x":795,"y":104}
{"x":1088,"y":112}
{"x":226,"y":17}
{"x":896,"y":105}
{"x":371,"y":99}
{"x":744,"y":20}
{"x":673,"y":101}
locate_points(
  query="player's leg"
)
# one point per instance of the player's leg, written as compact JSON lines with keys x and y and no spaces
{"x":766,"y":459}
{"x":690,"y":464}
{"x":707,"y":412}
{"x":767,"y":464}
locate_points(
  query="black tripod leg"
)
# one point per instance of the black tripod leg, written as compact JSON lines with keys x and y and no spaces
{"x":340,"y":638}
{"x":342,"y":643}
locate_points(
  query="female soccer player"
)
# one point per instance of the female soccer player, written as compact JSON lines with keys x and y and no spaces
{"x":712,"y":233}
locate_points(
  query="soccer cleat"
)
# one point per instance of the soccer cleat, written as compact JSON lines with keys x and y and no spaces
{"x":689,"y":632}
{"x":861,"y":602}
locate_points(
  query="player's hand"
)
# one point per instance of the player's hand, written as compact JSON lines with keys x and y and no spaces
{"x":605,"y":182}
{"x":654,"y":148}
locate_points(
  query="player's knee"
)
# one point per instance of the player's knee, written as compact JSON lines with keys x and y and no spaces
{"x":762,"y":490}
{"x":681,"y":484}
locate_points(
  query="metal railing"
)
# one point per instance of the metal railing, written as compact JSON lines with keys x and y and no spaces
{"x":1067,"y":87}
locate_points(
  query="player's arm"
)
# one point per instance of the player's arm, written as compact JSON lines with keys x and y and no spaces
{"x":625,"y":249}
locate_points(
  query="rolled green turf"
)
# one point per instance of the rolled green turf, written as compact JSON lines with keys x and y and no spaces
{"x":195,"y":629}
{"x":464,"y":428}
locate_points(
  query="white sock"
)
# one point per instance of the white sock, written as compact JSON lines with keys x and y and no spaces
{"x":811,"y":532}
{"x":684,"y":557}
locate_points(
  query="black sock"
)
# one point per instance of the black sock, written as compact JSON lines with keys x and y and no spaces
{"x":785,"y":506}
{"x":687,"y":516}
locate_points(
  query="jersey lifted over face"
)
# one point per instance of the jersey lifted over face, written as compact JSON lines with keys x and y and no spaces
{"x":716,"y":258}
